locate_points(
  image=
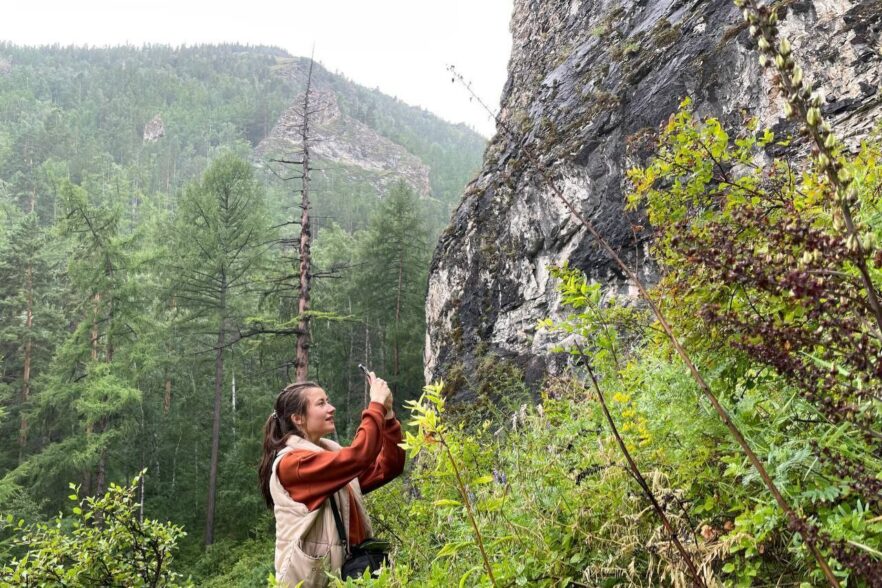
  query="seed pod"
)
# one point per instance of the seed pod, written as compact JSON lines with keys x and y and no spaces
{"x":797,"y":76}
{"x":816,"y":100}
{"x":763,"y":60}
{"x":779,"y":61}
{"x":868,"y":241}
{"x":788,"y":110}
{"x":764,"y":44}
{"x":784,"y":47}
{"x":825,"y":126}
{"x":773,"y":17}
{"x":813,"y":116}
{"x":753,"y":30}
{"x":844,"y":176}
{"x":823,"y":161}
{"x":830,"y":141}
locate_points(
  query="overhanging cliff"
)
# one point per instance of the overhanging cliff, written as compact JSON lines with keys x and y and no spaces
{"x":587,"y":80}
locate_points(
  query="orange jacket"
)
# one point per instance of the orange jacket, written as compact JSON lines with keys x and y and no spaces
{"x":373,"y":457}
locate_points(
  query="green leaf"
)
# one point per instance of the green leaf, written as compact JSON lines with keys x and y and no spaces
{"x":446,"y":502}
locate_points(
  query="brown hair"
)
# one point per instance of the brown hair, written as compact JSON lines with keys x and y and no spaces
{"x":279,"y":426}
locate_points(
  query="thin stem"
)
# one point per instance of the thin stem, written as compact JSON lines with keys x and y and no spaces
{"x":468,"y":505}
{"x":697,"y":580}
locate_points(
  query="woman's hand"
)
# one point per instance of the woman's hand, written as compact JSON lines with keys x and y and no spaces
{"x":380,"y":392}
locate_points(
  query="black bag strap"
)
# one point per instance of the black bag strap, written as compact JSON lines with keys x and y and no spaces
{"x":340,"y":528}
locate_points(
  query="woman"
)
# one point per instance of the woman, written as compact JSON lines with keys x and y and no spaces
{"x":300,"y":470}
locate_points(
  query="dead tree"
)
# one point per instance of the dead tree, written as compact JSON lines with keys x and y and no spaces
{"x":303,"y":261}
{"x":301,"y":360}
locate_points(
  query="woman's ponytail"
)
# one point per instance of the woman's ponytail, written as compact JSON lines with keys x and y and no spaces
{"x":279,"y":426}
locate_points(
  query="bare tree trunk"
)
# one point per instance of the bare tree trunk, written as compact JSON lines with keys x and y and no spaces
{"x":93,"y":334}
{"x":233,"y":403}
{"x":301,"y":360}
{"x":167,"y":397}
{"x":349,"y":365}
{"x":26,"y":372}
{"x":367,"y":359}
{"x":381,"y":336}
{"x":395,"y":343}
{"x":101,"y":474}
{"x":215,"y":421}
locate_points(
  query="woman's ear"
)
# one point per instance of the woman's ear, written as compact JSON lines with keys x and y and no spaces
{"x":297,"y":420}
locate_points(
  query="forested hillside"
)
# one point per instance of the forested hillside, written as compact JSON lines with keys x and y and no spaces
{"x":146,"y":264}
{"x":657,"y":308}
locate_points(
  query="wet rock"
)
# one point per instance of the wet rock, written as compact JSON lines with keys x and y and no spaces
{"x":588,"y":81}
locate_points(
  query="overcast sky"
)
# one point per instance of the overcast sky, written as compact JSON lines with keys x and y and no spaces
{"x":400,"y":46}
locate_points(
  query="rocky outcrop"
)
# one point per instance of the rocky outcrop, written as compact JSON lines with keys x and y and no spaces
{"x":154,"y":130}
{"x":346,"y":143}
{"x":588,"y":79}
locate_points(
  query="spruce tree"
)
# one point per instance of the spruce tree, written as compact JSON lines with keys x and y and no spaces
{"x":30,"y":323}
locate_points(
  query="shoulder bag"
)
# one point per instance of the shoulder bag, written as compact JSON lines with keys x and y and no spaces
{"x":370,"y":554}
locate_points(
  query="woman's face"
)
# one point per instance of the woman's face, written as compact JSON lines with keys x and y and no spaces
{"x":319,"y":418}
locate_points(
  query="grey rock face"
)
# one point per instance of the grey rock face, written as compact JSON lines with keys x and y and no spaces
{"x":347,"y":143}
{"x":588,"y":79}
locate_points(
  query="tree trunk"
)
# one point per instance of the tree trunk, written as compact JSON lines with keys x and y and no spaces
{"x":26,"y":372}
{"x":233,"y":403}
{"x":101,"y":474}
{"x":367,"y":360}
{"x":93,"y":334}
{"x":395,"y":342}
{"x":215,"y":421}
{"x":301,"y":360}
{"x":167,"y":397}
{"x":349,"y":364}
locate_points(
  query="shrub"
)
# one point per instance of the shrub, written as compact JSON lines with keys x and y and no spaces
{"x":104,"y":543}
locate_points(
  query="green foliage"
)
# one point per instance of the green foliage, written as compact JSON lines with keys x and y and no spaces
{"x":104,"y":543}
{"x":546,"y":485}
{"x":120,"y":242}
{"x":762,"y":281}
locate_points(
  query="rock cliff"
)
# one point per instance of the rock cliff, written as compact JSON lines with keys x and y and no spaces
{"x":346,"y":144}
{"x":587,"y":80}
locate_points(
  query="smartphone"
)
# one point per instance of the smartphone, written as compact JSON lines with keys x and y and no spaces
{"x":365,"y":371}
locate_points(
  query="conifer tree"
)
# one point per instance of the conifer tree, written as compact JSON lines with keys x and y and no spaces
{"x":30,"y":320}
{"x":219,"y":235}
{"x":392,"y":283}
{"x":86,"y":404}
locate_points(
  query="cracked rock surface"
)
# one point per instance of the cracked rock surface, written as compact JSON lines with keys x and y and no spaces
{"x":587,"y":81}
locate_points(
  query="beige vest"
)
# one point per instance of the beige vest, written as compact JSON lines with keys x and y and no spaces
{"x":307,"y":543}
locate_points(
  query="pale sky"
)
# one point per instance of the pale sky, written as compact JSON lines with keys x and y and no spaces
{"x":400,"y":46}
